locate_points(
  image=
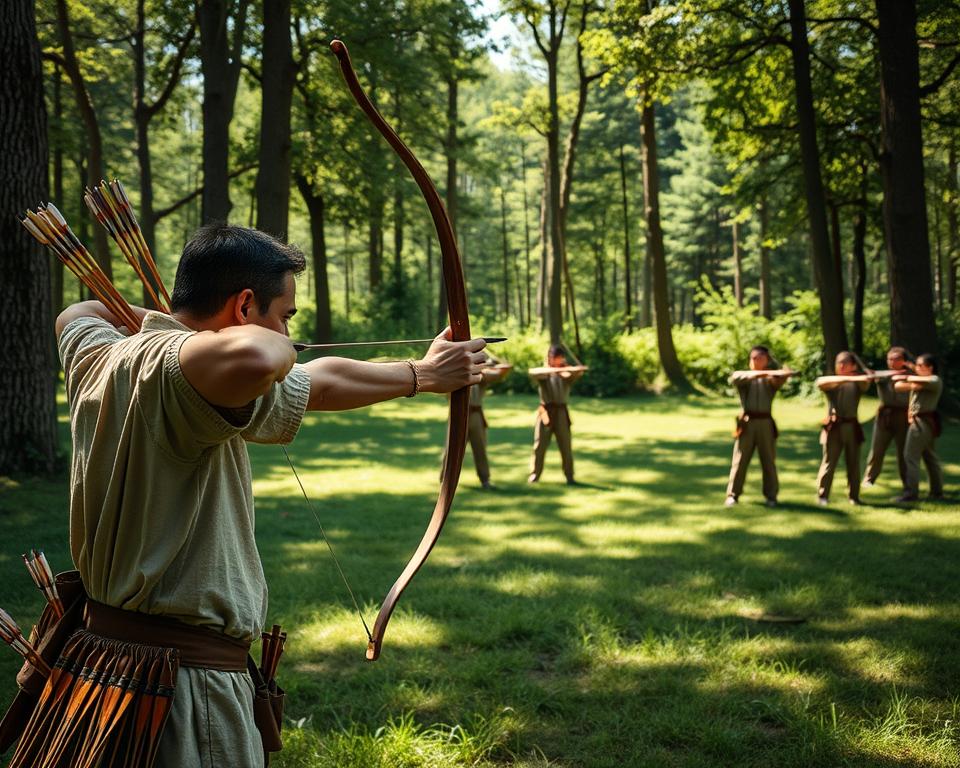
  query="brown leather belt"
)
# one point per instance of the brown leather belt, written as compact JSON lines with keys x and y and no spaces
{"x":931,"y":417}
{"x":198,"y":646}
{"x":889,"y":415}
{"x":833,"y":421}
{"x":748,"y":416}
{"x":549,"y":411}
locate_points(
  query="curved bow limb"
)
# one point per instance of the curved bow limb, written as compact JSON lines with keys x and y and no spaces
{"x":460,"y":325}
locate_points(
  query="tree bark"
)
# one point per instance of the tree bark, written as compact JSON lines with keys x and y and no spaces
{"x":220,"y":67}
{"x":506,"y":252}
{"x":555,"y":308}
{"x":766,"y":309}
{"x":28,"y":426}
{"x":375,"y":251}
{"x":953,"y":201}
{"x":91,"y":126}
{"x":831,"y":295}
{"x":860,"y":286}
{"x":398,"y":222}
{"x":278,"y":75}
{"x":901,"y":165}
{"x":658,"y":257}
{"x":836,"y":245}
{"x":143,"y":113}
{"x":544,"y":248}
{"x":737,"y":264}
{"x":452,"y":148}
{"x":627,"y":293}
{"x":526,"y":229}
{"x":55,"y":264}
{"x":318,"y":248}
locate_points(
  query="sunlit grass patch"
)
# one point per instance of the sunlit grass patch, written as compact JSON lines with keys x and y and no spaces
{"x":630,"y":621}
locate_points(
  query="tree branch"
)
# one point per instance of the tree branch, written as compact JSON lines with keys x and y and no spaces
{"x":926,"y":90}
{"x":175,"y":69}
{"x":164,"y":212}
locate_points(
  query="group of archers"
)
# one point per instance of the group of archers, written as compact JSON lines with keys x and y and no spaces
{"x":909,"y":391}
{"x":156,"y":669}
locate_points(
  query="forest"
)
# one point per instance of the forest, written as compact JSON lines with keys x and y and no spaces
{"x":657,"y":185}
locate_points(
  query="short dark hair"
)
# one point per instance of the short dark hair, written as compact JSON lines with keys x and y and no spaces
{"x":845,"y":357}
{"x":765,"y":351}
{"x":221,"y":260}
{"x":900,"y":352}
{"x":927,"y":359}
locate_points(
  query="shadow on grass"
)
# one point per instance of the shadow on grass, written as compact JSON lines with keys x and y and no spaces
{"x":617,"y":617}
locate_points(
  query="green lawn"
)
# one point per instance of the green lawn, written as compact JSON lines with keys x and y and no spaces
{"x":621,"y":623}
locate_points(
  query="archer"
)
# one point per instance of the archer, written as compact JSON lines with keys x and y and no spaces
{"x":162,"y":512}
{"x":555,"y":381}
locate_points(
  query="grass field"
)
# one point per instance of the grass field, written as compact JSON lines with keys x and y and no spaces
{"x":630,"y":621}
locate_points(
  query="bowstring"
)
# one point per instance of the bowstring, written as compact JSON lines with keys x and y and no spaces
{"x":313,"y":510}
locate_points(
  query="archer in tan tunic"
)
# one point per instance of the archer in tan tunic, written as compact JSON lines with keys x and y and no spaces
{"x":890,"y":424}
{"x":841,"y":433}
{"x":477,"y":427}
{"x":924,"y":391}
{"x":161,"y":511}
{"x":161,"y":508}
{"x":553,"y":416}
{"x":756,"y":429}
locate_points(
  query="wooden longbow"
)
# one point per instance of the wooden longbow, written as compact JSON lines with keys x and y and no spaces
{"x":460,"y":325}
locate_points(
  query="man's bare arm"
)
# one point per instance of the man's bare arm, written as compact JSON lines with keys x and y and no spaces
{"x":236,"y":365}
{"x":339,"y":384}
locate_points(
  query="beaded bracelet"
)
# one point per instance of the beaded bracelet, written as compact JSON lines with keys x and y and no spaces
{"x":416,"y":377}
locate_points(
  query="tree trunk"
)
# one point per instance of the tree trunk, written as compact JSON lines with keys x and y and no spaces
{"x":860,"y":259}
{"x":765,"y":306}
{"x":658,"y":257}
{"x":544,"y":249}
{"x":836,"y":245}
{"x":279,"y":73}
{"x":831,"y":294}
{"x":452,"y":148}
{"x":627,"y":293}
{"x":141,"y":119}
{"x":91,"y":126}
{"x":397,"y":230}
{"x":28,"y":426}
{"x":737,"y":264}
{"x":901,"y":164}
{"x":375,"y":260}
{"x":953,"y":200}
{"x":526,"y":228}
{"x":143,"y":113}
{"x":55,"y":264}
{"x":220,"y":67}
{"x":318,"y":248}
{"x":938,"y":249}
{"x":555,"y":307}
{"x":506,"y":252}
